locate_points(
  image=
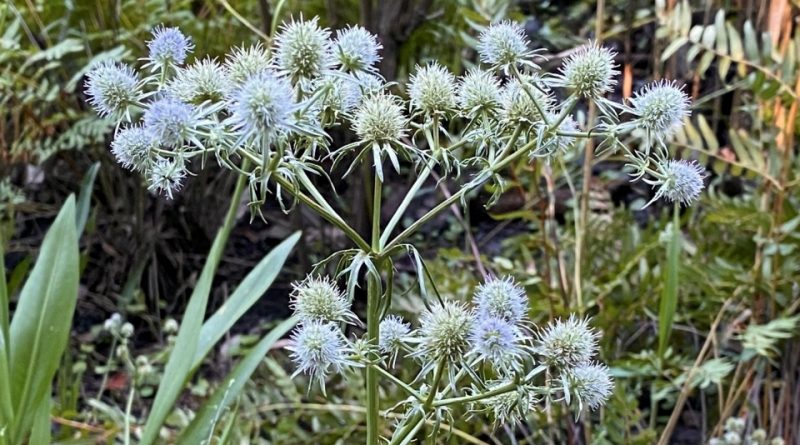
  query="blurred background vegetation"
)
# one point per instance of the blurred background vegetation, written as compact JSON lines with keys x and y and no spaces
{"x":574,"y":233}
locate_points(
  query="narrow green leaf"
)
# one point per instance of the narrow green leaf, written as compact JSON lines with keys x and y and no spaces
{"x":41,"y":325}
{"x":669,"y":294}
{"x":246,"y":294}
{"x":722,"y":36}
{"x":209,"y":413}
{"x":751,"y":43}
{"x":708,"y":134}
{"x":674,"y":46}
{"x":4,"y":300}
{"x":85,"y":197}
{"x":40,"y":433}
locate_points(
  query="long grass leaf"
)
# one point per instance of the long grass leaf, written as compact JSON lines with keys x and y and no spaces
{"x":669,"y":294}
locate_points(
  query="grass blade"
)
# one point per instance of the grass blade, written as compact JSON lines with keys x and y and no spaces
{"x":179,"y":366}
{"x":41,"y":325}
{"x":85,"y":197}
{"x":246,"y":294}
{"x":669,"y":294}
{"x":207,"y":416}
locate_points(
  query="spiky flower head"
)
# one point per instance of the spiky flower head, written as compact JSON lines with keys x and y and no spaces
{"x":591,"y":384}
{"x":379,"y":119}
{"x":777,"y":441}
{"x":369,"y":84}
{"x":501,"y":298}
{"x":510,"y":407}
{"x":262,"y":105}
{"x":504,"y":45}
{"x":660,"y":108}
{"x":170,"y":120}
{"x":320,"y":299}
{"x":318,"y":349}
{"x":341,"y":94}
{"x":393,"y":334}
{"x":758,"y":437}
{"x":432,"y":89}
{"x":445,"y":332}
{"x":204,"y":80}
{"x":132,"y":147}
{"x":303,"y":49}
{"x":555,"y":142}
{"x":166,"y":176}
{"x":732,"y":438}
{"x":680,"y":181}
{"x":478,"y":92}
{"x":735,"y":424}
{"x":169,"y":46}
{"x":519,"y":102}
{"x":567,"y":344}
{"x":357,"y":49}
{"x":498,"y":342}
{"x":112,"y":88}
{"x":243,"y":63}
{"x":590,"y":71}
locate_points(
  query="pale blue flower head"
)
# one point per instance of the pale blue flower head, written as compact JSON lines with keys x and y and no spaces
{"x":497,"y":341}
{"x":501,"y":298}
{"x":320,"y":299}
{"x":393,"y":335}
{"x":445,"y":332}
{"x":318,"y":349}
{"x":660,"y":108}
{"x":519,"y":102}
{"x":432,"y":89}
{"x":303,"y":50}
{"x":112,"y":88}
{"x":170,"y":120}
{"x":589,"y":72}
{"x":503,"y":45}
{"x":478,"y":92}
{"x":169,"y":46}
{"x":340,"y":94}
{"x":379,"y":119}
{"x":357,"y":49}
{"x":132,"y":147}
{"x":243,"y":63}
{"x":204,"y":80}
{"x":591,"y":383}
{"x":680,"y":181}
{"x":567,"y":344}
{"x":166,"y":176}
{"x":262,"y":105}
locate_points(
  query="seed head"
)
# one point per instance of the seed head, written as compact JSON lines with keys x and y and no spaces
{"x":660,"y":108}
{"x":263,"y":104}
{"x":682,"y":181}
{"x":592,"y":384}
{"x":243,"y":63}
{"x":478,"y":92}
{"x":319,"y":299}
{"x":590,"y":71}
{"x":112,"y":88}
{"x":518,"y":106}
{"x":318,"y":349}
{"x":432,"y":89}
{"x":170,"y":120}
{"x":393,"y":334}
{"x":498,"y":342}
{"x":445,"y":331}
{"x":169,"y":46}
{"x":379,"y":119}
{"x":567,"y":344}
{"x":503,"y":45}
{"x":204,"y":80}
{"x":166,"y":176}
{"x":302,"y":49}
{"x":356,"y":49}
{"x":132,"y":147}
{"x":501,"y":298}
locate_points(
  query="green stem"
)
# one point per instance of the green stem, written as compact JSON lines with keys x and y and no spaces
{"x":455,"y":197}
{"x":128,"y":409}
{"x":508,"y":387}
{"x":408,"y":430}
{"x":373,"y":322}
{"x":531,"y":96}
{"x":411,"y":391}
{"x":437,"y":377}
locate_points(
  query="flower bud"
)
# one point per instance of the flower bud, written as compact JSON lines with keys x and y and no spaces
{"x":590,"y":71}
{"x":503,"y":44}
{"x":242,"y":63}
{"x":112,"y":88}
{"x":591,"y":384}
{"x":133,"y":146}
{"x":502,"y":298}
{"x":319,"y":299}
{"x":379,"y":119}
{"x":318,"y":349}
{"x":660,"y":108}
{"x":681,"y":181}
{"x":432,"y":89}
{"x":169,"y":46}
{"x":356,"y":49}
{"x":478,"y":92}
{"x":204,"y":80}
{"x":302,"y":49}
{"x":444,"y":332}
{"x":393,"y":333}
{"x":566,"y":344}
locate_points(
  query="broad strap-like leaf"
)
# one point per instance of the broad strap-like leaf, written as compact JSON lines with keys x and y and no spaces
{"x":85,"y":197}
{"x":199,"y":431}
{"x":41,"y":325}
{"x":249,"y":291}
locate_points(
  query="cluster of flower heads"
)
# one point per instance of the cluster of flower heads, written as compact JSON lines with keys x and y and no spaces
{"x":492,"y":337}
{"x":734,"y":434}
{"x":272,"y":105}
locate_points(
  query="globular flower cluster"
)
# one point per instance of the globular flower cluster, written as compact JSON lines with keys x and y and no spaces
{"x":734,"y":434}
{"x":432,"y":89}
{"x":590,"y":72}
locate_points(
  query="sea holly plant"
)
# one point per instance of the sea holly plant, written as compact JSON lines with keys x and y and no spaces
{"x":265,"y":112}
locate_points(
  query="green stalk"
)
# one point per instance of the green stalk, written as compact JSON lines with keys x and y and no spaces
{"x":508,"y":387}
{"x":128,"y":409}
{"x":373,"y":323}
{"x":454,"y":197}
